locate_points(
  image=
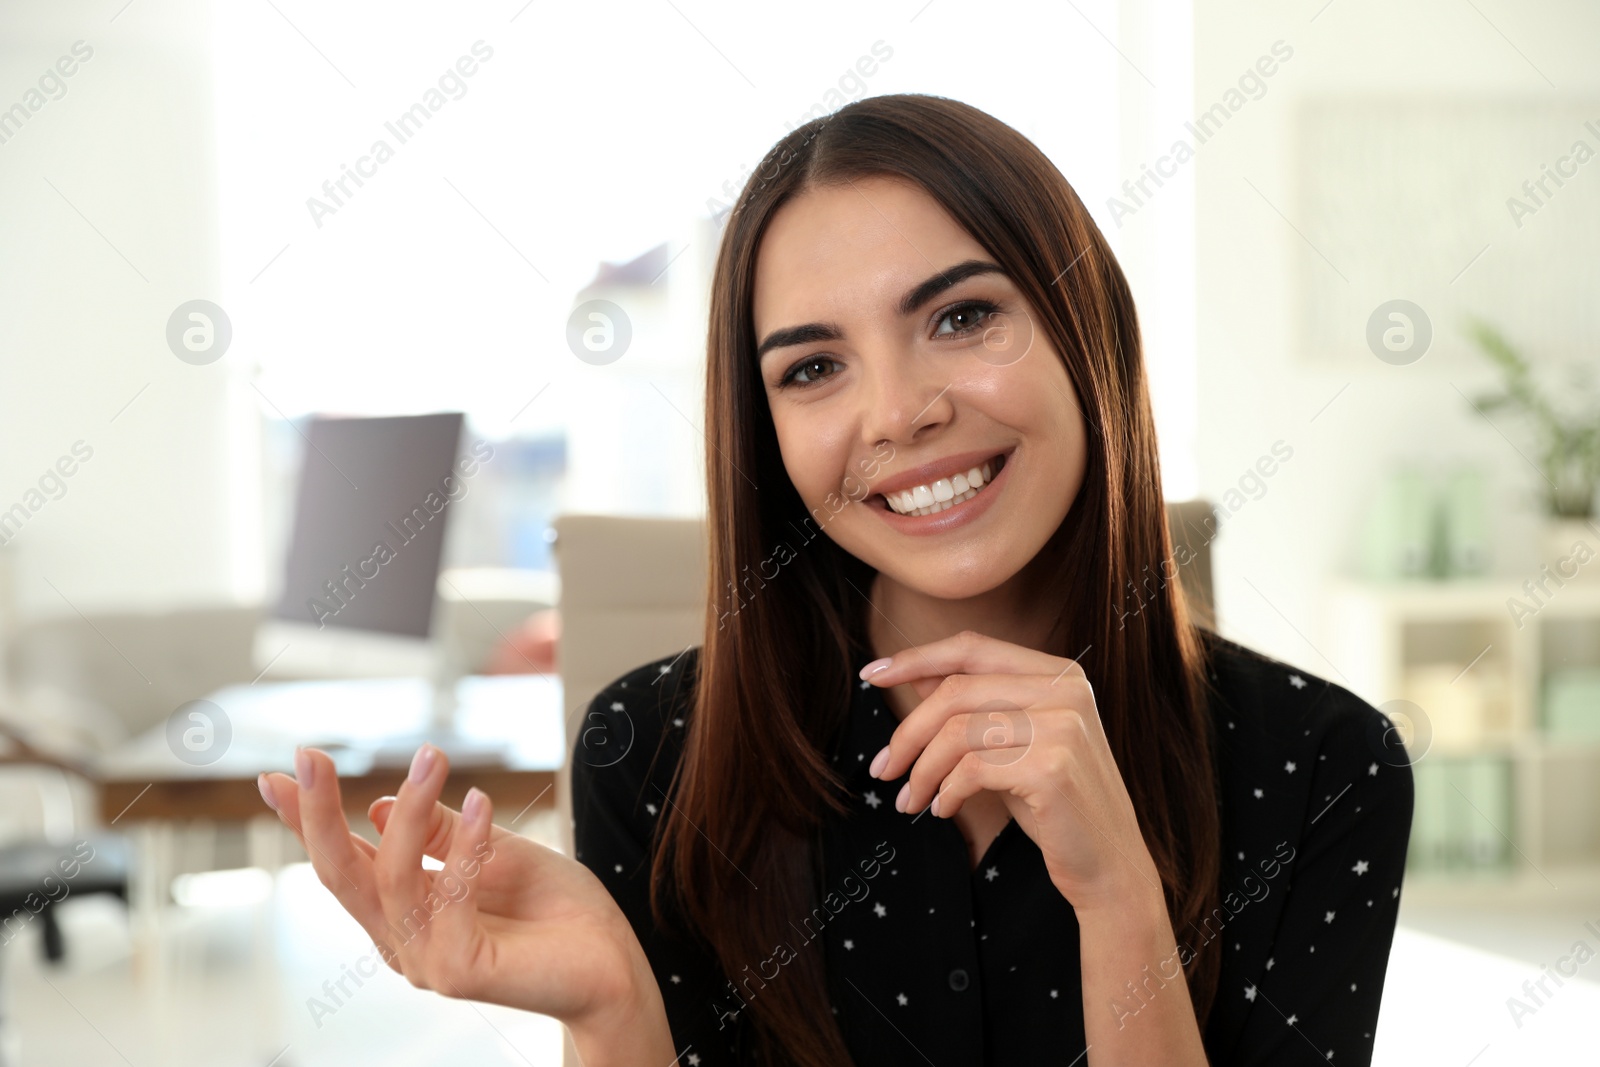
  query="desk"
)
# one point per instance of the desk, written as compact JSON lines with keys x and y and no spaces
{"x":355,"y":721}
{"x":146,"y":789}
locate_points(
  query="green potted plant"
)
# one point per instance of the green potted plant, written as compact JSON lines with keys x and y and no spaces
{"x":1568,"y":439}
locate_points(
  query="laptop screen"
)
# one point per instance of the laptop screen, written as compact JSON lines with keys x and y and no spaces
{"x":369,"y":522}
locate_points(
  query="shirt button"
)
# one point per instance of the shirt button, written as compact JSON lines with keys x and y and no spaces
{"x":958,"y":979}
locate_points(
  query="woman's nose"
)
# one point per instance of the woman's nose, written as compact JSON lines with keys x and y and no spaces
{"x":902,"y":398}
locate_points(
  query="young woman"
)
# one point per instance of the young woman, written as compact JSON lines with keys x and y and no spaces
{"x":956,"y":775}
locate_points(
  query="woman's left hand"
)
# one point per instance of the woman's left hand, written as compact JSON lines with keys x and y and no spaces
{"x":1023,"y":724}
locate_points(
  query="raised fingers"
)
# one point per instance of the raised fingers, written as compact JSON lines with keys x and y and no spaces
{"x":442,"y":826}
{"x":310,"y":804}
{"x":403,"y":885}
{"x":279,"y":791}
{"x":456,"y":924}
{"x":416,"y":818}
{"x":322,"y":822}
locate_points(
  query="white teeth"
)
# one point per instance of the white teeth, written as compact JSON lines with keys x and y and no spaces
{"x":941,"y":494}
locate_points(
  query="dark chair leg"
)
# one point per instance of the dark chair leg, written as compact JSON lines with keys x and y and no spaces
{"x":55,"y":946}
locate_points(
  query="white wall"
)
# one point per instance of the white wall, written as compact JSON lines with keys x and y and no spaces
{"x":1276,"y":553}
{"x":130,"y":146}
{"x":1155,"y":245}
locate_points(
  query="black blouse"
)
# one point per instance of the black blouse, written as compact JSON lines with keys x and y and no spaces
{"x":930,"y":961}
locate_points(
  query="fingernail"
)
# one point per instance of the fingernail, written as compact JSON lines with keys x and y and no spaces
{"x":304,"y":769}
{"x":472,"y":806}
{"x":266,"y":791}
{"x":900,"y":801}
{"x":421,"y":763}
{"x":934,"y":807}
{"x":874,"y":667}
{"x":879,"y":762}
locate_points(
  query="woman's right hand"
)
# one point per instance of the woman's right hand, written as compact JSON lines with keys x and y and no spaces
{"x":506,"y":920}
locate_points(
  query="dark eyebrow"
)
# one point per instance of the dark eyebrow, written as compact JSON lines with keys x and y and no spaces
{"x":914,"y":298}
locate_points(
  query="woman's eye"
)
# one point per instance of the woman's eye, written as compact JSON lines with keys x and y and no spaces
{"x":793,"y":377}
{"x":971,"y":316}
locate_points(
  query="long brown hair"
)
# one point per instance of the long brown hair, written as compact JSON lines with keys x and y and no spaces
{"x":786,"y":620}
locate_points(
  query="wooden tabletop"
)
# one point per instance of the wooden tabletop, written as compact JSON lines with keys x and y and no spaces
{"x":506,"y":738}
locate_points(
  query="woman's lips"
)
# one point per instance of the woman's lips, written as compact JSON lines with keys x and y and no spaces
{"x":941,"y":493}
{"x":955,"y":516}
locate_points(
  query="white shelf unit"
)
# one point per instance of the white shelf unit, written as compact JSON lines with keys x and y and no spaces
{"x":1467,"y":631}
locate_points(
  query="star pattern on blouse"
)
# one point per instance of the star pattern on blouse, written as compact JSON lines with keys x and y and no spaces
{"x":693,"y":1059}
{"x":874,"y":800}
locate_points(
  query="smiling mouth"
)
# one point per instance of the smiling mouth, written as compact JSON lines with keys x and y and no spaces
{"x":943,"y":493}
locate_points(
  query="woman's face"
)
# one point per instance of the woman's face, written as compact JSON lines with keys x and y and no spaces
{"x":875,"y":368}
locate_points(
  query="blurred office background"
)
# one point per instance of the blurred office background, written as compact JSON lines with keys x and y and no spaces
{"x":1362,"y":237}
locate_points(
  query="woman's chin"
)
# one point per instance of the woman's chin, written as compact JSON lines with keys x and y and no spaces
{"x":960,"y":584}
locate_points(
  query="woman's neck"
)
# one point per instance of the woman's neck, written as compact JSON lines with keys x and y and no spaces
{"x":899,"y":617}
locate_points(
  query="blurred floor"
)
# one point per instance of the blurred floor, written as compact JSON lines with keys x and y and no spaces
{"x":1465,"y":947}
{"x":230,"y":1002}
{"x":1449,"y":1002}
{"x":1456,"y":965}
